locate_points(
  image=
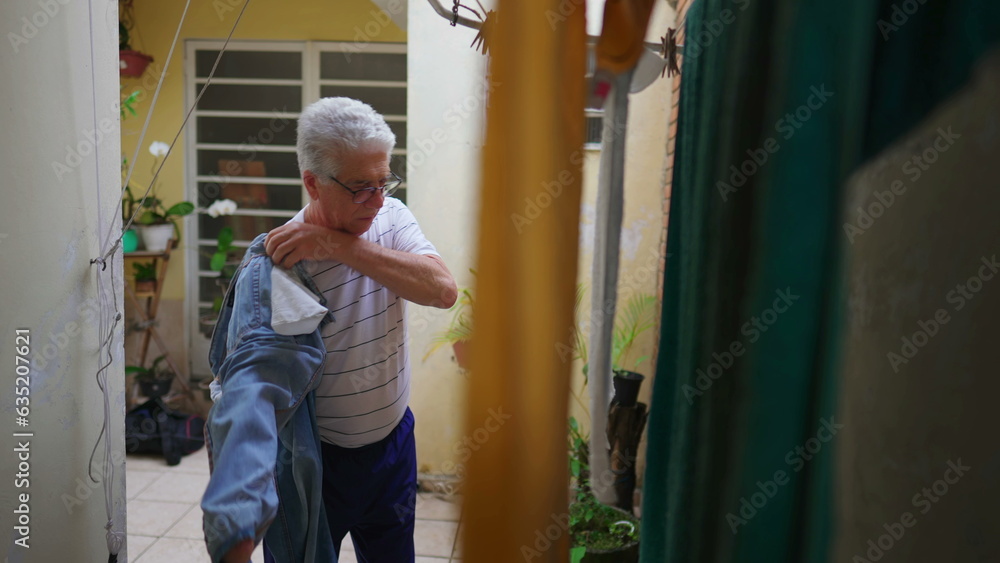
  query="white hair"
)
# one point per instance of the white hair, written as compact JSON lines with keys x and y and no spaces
{"x":330,"y":129}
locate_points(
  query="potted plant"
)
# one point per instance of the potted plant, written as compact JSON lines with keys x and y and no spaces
{"x":221,"y":260}
{"x":158,"y":221}
{"x":637,"y":317}
{"x":459,"y":331}
{"x":626,"y":418}
{"x":130,"y":63}
{"x":145,"y":277}
{"x":155,"y":380}
{"x":598,"y":533}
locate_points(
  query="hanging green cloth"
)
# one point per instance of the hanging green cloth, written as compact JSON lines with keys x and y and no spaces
{"x":780,"y":102}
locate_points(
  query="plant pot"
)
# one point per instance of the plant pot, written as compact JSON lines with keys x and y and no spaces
{"x":153,"y":388}
{"x":206,"y":324}
{"x":156,"y":237}
{"x":130,"y":241}
{"x":627,"y":385}
{"x":145,"y":286}
{"x":132,"y":63}
{"x":625,"y":554}
{"x":461,"y":349}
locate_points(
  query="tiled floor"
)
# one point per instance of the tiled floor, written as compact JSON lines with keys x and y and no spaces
{"x":164,"y":519}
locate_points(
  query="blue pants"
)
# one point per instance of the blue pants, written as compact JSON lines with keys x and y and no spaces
{"x":371,"y":492}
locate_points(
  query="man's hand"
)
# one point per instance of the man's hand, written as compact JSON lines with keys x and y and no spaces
{"x":292,"y":242}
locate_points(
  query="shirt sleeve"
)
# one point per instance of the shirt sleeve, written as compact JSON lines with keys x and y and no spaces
{"x":407,"y":236}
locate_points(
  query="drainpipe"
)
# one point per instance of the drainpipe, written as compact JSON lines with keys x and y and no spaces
{"x":607,"y":235}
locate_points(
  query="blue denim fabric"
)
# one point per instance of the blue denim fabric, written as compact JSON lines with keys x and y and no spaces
{"x":261,"y":432}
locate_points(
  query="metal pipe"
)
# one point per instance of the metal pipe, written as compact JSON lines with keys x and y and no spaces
{"x":607,"y":237}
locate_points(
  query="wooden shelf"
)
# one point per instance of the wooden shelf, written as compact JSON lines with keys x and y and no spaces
{"x":148,"y":311}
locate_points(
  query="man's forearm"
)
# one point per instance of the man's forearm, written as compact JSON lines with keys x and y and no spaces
{"x":421,"y":279}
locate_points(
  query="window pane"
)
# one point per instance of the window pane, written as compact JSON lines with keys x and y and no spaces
{"x":399,"y":128}
{"x":400,"y":194}
{"x":244,"y":228}
{"x":248,"y":162}
{"x":248,"y":97}
{"x":398,"y":165}
{"x":251,"y":196}
{"x":250,"y":64}
{"x":247,"y":130}
{"x":362,"y":66}
{"x":595,"y":129}
{"x":387,"y":101}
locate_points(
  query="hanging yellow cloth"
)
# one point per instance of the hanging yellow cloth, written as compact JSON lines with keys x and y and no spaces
{"x":623,"y":33}
{"x":517,"y":489}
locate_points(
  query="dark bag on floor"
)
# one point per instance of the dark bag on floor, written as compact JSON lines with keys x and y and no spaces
{"x":153,"y":428}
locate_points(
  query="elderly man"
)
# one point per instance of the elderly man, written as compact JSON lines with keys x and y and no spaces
{"x":367,"y":256}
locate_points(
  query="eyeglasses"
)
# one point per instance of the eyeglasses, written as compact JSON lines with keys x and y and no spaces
{"x":362,"y":195}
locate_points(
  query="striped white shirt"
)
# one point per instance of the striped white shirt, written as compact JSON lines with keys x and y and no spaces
{"x":366,"y":379}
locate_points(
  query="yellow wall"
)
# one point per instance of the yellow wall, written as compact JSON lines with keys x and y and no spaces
{"x":316,"y":20}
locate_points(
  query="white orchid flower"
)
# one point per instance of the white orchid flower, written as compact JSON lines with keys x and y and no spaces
{"x":158,"y":148}
{"x":222,"y":207}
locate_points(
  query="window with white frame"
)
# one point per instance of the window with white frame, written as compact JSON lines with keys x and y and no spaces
{"x":241,"y":140}
{"x":594,"y":129}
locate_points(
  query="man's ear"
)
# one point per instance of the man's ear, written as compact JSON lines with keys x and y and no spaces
{"x":309,"y":180}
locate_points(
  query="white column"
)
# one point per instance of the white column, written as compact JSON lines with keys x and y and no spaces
{"x":60,"y":187}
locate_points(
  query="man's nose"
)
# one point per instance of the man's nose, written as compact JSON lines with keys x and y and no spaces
{"x":376,"y":200}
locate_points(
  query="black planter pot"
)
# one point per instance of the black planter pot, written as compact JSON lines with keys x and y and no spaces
{"x":627,"y":554}
{"x":627,"y":385}
{"x":153,"y":388}
{"x":624,"y":554}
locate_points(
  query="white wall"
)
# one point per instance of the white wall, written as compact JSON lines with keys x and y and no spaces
{"x":446,"y":113}
{"x":60,"y":83}
{"x":446,"y":116}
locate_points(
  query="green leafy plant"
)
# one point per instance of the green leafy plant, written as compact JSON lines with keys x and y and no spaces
{"x":220,"y":263}
{"x":592,"y":525}
{"x":637,"y":316}
{"x":157,"y":214}
{"x":158,"y":370}
{"x":460,"y":327}
{"x":144,"y":271}
{"x":224,"y":244}
{"x":127,"y":105}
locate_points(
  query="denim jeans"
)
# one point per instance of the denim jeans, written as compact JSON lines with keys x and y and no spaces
{"x":262,"y":438}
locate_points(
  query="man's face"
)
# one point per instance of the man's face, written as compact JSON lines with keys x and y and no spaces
{"x":336,"y":204}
